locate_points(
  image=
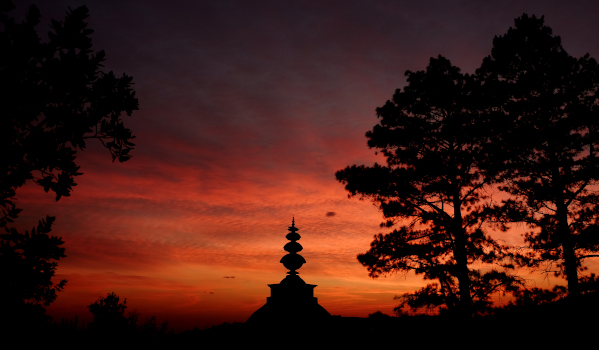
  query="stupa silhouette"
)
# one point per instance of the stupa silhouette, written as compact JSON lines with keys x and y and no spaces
{"x":292,"y":301}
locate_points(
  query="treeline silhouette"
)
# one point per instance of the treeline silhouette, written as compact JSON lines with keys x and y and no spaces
{"x":516,"y":326}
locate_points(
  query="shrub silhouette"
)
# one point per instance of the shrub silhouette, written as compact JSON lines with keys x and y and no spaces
{"x":109,"y":315}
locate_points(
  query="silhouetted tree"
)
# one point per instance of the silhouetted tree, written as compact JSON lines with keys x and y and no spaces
{"x":433,"y":186}
{"x":545,"y":115}
{"x":27,"y":266}
{"x":110,"y":320}
{"x":109,"y":315}
{"x":54,"y":97}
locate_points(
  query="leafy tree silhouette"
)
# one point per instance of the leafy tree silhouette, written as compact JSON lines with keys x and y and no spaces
{"x":110,"y":320}
{"x":27,"y":266}
{"x":545,"y":114}
{"x":109,"y":316}
{"x":54,"y":97}
{"x":434,"y":187}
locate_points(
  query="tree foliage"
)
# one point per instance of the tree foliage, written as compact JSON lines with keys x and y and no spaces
{"x":110,"y":320}
{"x":109,"y":313}
{"x":434,"y":187}
{"x":545,"y":112}
{"x":29,"y":257}
{"x":54,"y":97}
{"x":27,"y":266}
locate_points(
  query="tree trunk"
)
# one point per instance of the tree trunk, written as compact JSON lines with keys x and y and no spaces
{"x":461,"y":257}
{"x":565,"y":238}
{"x":569,"y":255}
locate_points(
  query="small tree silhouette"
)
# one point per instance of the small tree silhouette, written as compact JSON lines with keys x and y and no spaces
{"x":30,"y":257}
{"x":109,"y":315}
{"x":110,"y":320}
{"x":27,"y":264}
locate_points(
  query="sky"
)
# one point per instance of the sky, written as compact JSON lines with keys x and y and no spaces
{"x":246,"y":111}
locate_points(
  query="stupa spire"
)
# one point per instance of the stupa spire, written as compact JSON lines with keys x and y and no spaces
{"x":293,"y":261}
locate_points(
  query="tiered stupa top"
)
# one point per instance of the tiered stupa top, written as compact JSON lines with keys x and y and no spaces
{"x":293,"y":261}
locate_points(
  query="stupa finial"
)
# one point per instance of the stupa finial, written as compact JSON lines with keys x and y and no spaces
{"x":293,"y":261}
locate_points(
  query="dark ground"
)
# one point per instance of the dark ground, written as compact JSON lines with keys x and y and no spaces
{"x":559,"y":324}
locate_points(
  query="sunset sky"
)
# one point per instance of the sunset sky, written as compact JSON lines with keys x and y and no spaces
{"x":246,"y":111}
